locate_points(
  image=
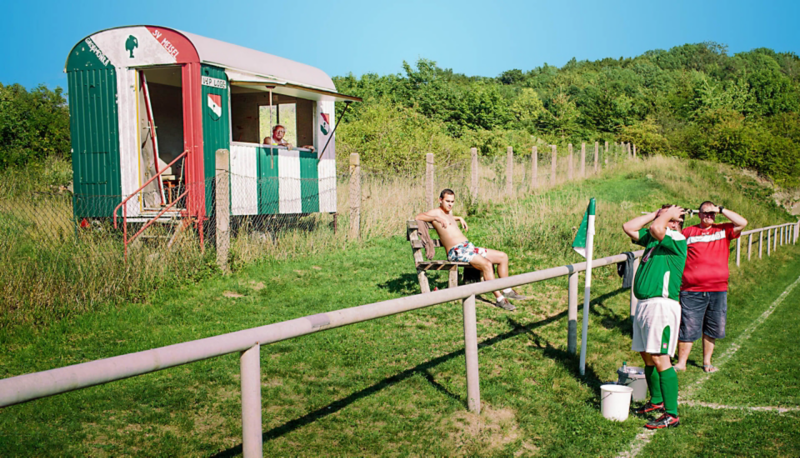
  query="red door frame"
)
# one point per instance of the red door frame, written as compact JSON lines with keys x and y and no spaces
{"x":193,"y":141}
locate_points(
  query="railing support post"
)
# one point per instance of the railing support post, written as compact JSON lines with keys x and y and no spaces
{"x":769,"y":242}
{"x":760,"y":243}
{"x":251,"y":402}
{"x":471,"y":352}
{"x":749,"y":246}
{"x":355,"y":196}
{"x":738,"y":251}
{"x":572,"y":314}
{"x":223,"y":208}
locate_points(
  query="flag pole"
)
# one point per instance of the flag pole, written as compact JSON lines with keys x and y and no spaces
{"x":587,"y":289}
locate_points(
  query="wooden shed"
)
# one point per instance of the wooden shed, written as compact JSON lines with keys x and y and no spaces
{"x":150,"y":106}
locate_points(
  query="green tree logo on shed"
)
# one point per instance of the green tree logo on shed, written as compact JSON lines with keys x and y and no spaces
{"x":130,"y":44}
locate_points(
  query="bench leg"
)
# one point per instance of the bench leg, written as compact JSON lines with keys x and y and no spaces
{"x":452,"y":281}
{"x":423,"y":281}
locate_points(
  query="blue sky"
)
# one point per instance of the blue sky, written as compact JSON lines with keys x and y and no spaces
{"x":471,"y":37}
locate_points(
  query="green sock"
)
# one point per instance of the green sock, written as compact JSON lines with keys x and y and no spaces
{"x":669,"y":387}
{"x":653,"y":384}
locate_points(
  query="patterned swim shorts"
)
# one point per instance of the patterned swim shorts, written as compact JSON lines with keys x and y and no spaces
{"x":464,"y":252}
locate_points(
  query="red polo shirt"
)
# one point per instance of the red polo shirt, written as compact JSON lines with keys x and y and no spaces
{"x":707,"y":258}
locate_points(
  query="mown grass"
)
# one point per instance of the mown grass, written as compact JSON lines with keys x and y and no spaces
{"x":396,"y":386}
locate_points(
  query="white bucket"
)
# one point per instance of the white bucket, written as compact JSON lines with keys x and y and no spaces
{"x":615,"y":401}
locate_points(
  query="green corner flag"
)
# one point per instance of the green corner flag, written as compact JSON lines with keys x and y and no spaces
{"x":579,"y":244}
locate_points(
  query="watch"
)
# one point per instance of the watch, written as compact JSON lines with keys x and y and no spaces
{"x":720,"y":209}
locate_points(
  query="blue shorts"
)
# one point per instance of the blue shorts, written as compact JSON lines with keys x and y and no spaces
{"x":464,"y":252}
{"x":703,"y":313}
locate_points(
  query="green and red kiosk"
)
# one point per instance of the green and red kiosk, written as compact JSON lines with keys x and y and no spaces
{"x":150,"y":106}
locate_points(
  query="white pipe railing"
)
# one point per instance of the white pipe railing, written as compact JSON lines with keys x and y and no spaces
{"x":23,"y":388}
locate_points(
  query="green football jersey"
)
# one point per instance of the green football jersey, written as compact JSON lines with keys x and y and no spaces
{"x":661,"y":267}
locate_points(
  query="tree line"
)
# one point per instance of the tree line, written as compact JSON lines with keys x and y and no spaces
{"x":693,"y":101}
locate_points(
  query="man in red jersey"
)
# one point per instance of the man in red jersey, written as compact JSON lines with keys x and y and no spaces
{"x":704,"y":289}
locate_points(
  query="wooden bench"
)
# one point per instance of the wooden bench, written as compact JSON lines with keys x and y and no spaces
{"x":423,"y":265}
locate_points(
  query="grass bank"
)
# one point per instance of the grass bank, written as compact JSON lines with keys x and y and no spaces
{"x":396,"y":386}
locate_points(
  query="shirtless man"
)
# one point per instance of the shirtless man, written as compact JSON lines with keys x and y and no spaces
{"x":278,"y":132}
{"x":459,"y":249}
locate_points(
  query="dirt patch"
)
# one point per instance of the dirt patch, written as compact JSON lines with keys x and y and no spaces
{"x":316,"y":267}
{"x":487,"y":433}
{"x":232,"y":294}
{"x":257,"y":286}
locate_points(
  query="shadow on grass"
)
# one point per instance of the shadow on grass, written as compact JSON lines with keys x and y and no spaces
{"x":569,"y":361}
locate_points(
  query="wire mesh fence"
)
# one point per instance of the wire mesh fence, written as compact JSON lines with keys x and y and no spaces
{"x":63,"y":253}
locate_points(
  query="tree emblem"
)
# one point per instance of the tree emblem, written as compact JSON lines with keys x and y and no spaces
{"x":131,"y":44}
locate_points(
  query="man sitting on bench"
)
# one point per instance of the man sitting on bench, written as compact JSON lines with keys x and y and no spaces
{"x":459,"y":249}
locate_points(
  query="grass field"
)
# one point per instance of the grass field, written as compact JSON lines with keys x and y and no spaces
{"x":396,"y":386}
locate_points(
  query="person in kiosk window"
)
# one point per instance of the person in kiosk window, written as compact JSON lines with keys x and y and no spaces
{"x":459,"y":249}
{"x":277,"y":138}
{"x":704,"y":291}
{"x":658,"y":312}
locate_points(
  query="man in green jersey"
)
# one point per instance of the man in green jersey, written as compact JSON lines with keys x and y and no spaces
{"x":658,"y":312}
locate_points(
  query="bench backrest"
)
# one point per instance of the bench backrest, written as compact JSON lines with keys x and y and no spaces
{"x":412,"y":235}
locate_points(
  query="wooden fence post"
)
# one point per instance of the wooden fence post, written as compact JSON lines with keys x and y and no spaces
{"x":738,"y":250}
{"x":572,"y":314}
{"x":553,"y":165}
{"x":509,"y":170}
{"x":749,"y":246}
{"x":429,"y":179}
{"x":634,"y":150}
{"x":583,"y":159}
{"x":474,"y":182}
{"x":355,"y":196}
{"x":471,"y":354}
{"x":630,"y":154}
{"x":534,"y":167}
{"x":596,"y":155}
{"x":569,"y":162}
{"x":760,"y":242}
{"x":223,"y":207}
{"x":769,"y":242}
{"x":605,"y":154}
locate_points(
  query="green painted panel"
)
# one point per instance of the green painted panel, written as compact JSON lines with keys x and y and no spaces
{"x":216,"y":122}
{"x":268,"y":194}
{"x":94,"y":128}
{"x":86,"y":55}
{"x":309,"y":182}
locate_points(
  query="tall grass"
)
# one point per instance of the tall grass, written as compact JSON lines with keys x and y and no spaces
{"x":49,"y":269}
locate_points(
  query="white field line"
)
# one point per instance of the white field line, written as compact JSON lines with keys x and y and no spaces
{"x":711,"y":405}
{"x":642,"y":439}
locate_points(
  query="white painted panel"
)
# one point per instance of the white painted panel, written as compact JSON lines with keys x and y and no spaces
{"x":128,"y":137}
{"x":148,"y":49}
{"x":326,"y":170}
{"x":244,"y":181}
{"x":323,"y":132}
{"x":289,"y":184}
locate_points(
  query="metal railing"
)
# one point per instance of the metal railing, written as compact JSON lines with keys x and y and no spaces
{"x":125,"y":239}
{"x":23,"y":388}
{"x":783,"y":233}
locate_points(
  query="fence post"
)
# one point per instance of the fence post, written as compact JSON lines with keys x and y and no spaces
{"x":783,"y":232}
{"x":474,"y":184}
{"x":583,"y":159}
{"x":572,"y":314}
{"x":760,"y":243}
{"x":605,"y":154}
{"x":553,"y":165}
{"x":633,"y":282}
{"x":471,"y":353}
{"x":738,"y":250}
{"x":749,"y":246}
{"x":429,"y":179}
{"x":251,"y":402}
{"x":796,"y":232}
{"x":223,"y":207}
{"x":509,"y":170}
{"x":775,"y":240}
{"x":355,"y":195}
{"x":596,"y":155}
{"x":769,"y":241}
{"x":569,"y":162}
{"x":630,"y":154}
{"x":634,"y":150}
{"x":534,"y":167}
